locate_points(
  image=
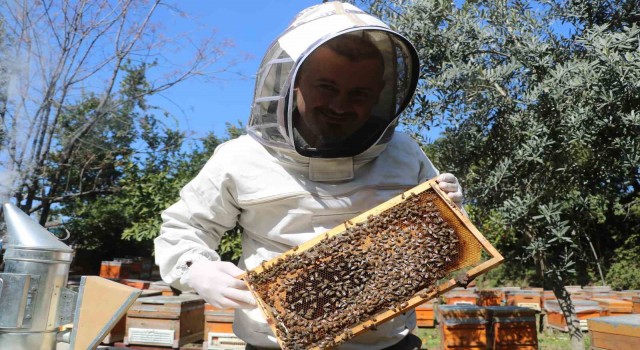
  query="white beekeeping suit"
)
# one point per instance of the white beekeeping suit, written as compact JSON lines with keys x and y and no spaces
{"x":283,"y":191}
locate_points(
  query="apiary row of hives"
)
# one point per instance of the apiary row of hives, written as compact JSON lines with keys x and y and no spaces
{"x":472,"y":327}
{"x":590,"y":302}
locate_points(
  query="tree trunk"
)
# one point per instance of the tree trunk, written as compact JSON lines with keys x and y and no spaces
{"x":569,"y":312}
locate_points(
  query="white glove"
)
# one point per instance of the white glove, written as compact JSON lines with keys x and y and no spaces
{"x":449,"y":184}
{"x":216,"y":283}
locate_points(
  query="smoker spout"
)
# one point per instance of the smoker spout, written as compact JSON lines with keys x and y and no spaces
{"x":31,"y":286}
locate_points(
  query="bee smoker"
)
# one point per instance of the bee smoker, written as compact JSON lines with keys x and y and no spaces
{"x":33,"y":299}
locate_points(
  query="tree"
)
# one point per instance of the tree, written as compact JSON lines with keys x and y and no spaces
{"x":65,"y":63}
{"x":539,"y":101}
{"x":124,"y":223}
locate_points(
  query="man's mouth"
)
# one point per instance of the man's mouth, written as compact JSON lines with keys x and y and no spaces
{"x":337,"y":117}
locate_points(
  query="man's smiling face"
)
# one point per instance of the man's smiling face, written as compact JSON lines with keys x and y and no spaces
{"x":335,"y":95}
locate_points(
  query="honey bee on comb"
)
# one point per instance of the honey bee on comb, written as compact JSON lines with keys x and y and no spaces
{"x":368,"y":270}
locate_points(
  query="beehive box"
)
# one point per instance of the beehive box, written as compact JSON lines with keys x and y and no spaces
{"x":460,"y":297}
{"x":614,"y":307}
{"x":162,"y":287}
{"x":548,"y":295}
{"x":597,"y":289}
{"x":371,"y":268}
{"x":218,"y":329}
{"x":635,"y":301}
{"x":425,"y":315}
{"x":223,"y":341}
{"x":170,"y":321}
{"x":512,"y":328}
{"x":119,"y":330}
{"x":615,"y":332}
{"x":525,"y":298}
{"x":117,"y":333}
{"x":115,"y":269}
{"x":217,"y":320}
{"x":136,"y":283}
{"x":585,"y":309}
{"x":462,"y":327}
{"x":627,"y":294}
{"x":490,"y":297}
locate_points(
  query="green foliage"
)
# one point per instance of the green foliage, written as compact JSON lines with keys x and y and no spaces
{"x":540,"y":103}
{"x":141,"y":166}
{"x":625,"y":270}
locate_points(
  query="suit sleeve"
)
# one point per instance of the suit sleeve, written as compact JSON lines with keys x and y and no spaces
{"x":193,"y":227}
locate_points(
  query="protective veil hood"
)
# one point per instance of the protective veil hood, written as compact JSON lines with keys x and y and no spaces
{"x":273,"y":111}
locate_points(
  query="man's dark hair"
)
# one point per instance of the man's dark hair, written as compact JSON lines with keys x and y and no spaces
{"x":356,"y":46}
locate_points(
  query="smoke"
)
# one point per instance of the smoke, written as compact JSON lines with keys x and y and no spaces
{"x":7,"y":184}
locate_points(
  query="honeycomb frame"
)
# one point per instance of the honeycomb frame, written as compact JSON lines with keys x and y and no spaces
{"x":472,"y":244}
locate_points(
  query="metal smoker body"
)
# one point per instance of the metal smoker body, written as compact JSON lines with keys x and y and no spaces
{"x":33,"y":299}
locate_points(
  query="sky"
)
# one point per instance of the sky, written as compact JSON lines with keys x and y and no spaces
{"x":201,"y":106}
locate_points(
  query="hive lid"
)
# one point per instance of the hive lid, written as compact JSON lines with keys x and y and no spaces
{"x":515,"y":311}
{"x":24,"y":232}
{"x":628,"y":325}
{"x":580,"y":306}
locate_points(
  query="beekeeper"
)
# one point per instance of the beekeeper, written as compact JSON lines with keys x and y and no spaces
{"x":320,"y":149}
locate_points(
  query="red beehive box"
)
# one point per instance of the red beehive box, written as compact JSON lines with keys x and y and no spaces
{"x":615,"y":332}
{"x":585,"y":309}
{"x":512,"y":328}
{"x":525,"y":298}
{"x":425,"y":316}
{"x":462,"y":327}
{"x":170,"y":321}
{"x":614,"y":307}
{"x":490,"y":297}
{"x":115,"y":269}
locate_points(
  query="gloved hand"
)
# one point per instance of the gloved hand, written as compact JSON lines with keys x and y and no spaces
{"x":449,"y":184}
{"x":216,"y":283}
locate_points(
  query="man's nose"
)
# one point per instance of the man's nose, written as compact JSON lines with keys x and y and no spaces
{"x":340,"y":103}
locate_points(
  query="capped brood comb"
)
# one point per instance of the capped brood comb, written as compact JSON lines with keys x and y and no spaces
{"x":373,"y":267}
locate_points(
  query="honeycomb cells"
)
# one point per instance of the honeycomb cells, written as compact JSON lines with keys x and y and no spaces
{"x":371,"y":267}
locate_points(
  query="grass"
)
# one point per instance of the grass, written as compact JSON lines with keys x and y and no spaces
{"x":548,"y":340}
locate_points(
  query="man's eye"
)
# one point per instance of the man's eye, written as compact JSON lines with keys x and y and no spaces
{"x":359,"y":95}
{"x":327,"y":87}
